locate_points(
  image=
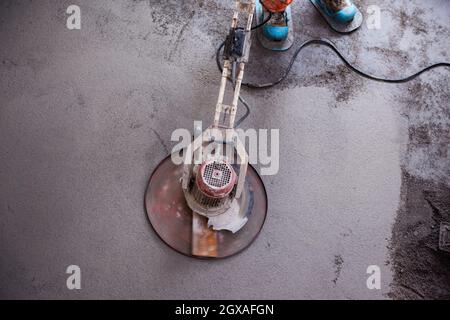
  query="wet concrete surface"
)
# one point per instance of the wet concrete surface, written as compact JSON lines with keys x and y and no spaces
{"x":85,"y":116}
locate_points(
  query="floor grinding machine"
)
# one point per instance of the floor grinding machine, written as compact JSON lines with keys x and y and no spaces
{"x":214,"y":204}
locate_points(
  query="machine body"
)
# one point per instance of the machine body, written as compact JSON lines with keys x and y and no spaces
{"x":212,"y":178}
{"x":214,"y":204}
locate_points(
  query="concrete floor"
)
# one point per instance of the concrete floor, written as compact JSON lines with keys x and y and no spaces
{"x":85,"y":116}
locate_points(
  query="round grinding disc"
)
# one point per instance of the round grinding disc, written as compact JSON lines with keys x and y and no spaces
{"x":187,"y":232}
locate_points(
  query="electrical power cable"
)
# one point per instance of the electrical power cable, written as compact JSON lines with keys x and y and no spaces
{"x":263,"y":23}
{"x":331,"y":45}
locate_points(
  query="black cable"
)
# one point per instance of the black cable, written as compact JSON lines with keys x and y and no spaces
{"x":247,"y":112}
{"x":247,"y":107}
{"x":330,"y":45}
{"x":263,"y":23}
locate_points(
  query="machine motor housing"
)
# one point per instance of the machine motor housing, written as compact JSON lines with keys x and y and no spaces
{"x":212,"y":187}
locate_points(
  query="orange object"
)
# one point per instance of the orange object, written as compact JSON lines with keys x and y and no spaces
{"x":276,"y":5}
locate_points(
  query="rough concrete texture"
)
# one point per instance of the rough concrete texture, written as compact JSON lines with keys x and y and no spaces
{"x":85,"y":116}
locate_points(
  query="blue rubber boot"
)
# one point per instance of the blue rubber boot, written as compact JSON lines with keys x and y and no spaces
{"x":277,"y":28}
{"x":276,"y":34}
{"x":340,"y":11}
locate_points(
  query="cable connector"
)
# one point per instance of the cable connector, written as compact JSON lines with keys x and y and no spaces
{"x":235,"y":45}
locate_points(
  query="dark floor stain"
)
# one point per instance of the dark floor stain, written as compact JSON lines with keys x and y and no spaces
{"x":347,"y":233}
{"x":426,"y":108}
{"x":180,"y":36}
{"x":136,"y":125}
{"x":421,"y":269}
{"x":413,"y":21}
{"x":338,"y":262}
{"x":341,"y":80}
